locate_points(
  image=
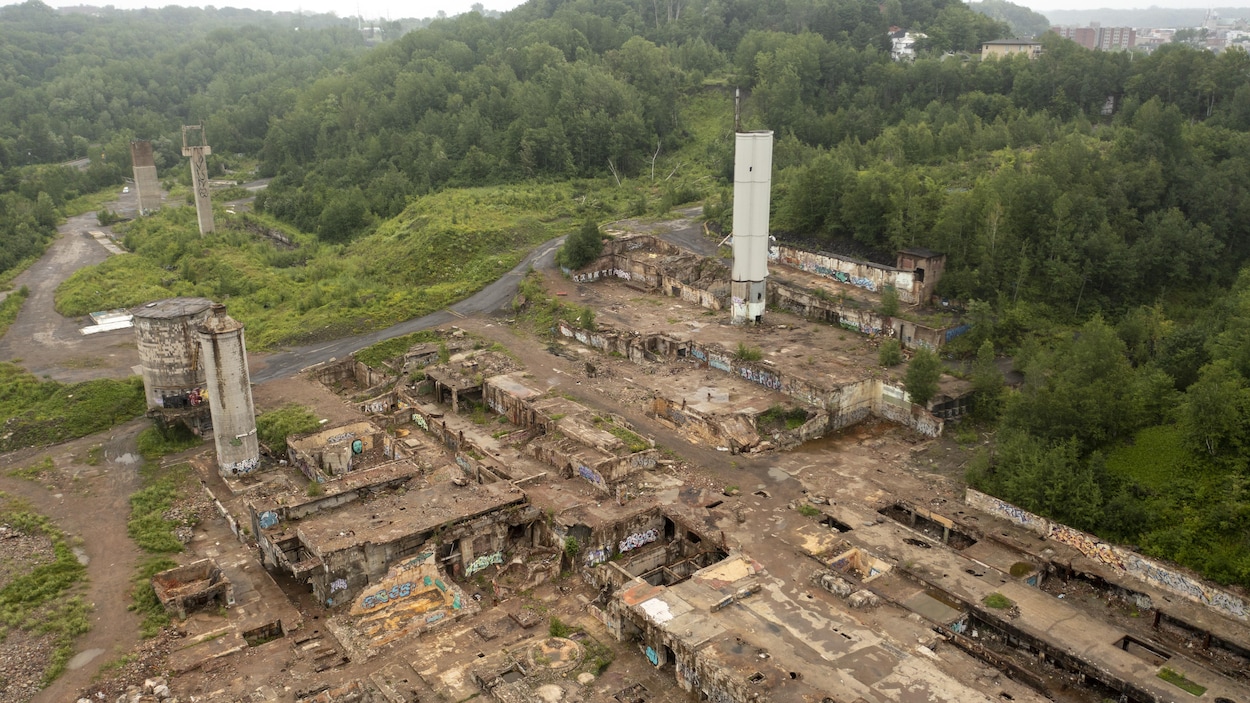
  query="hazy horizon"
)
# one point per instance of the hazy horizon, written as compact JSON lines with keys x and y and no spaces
{"x":393,"y":9}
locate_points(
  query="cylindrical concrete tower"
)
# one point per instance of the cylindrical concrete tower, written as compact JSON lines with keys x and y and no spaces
{"x":753,"y":169}
{"x":169,"y":357}
{"x":230,"y":393}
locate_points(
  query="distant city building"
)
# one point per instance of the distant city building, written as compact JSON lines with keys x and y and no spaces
{"x":1100,"y":38}
{"x":1006,"y":47}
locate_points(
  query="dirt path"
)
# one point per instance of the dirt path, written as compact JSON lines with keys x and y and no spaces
{"x":92,"y":503}
{"x":46,"y":343}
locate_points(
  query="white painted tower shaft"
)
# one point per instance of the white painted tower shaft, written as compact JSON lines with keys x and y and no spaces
{"x":753,"y":167}
{"x":224,"y":355}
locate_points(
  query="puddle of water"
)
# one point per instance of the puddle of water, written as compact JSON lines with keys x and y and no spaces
{"x":81,"y":555}
{"x":777,"y":474}
{"x":82,"y":658}
{"x":127,"y":458}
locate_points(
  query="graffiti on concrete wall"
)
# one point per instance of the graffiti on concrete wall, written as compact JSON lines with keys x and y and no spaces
{"x":464,"y":464}
{"x":338,"y":585}
{"x":956,"y":331}
{"x":717,"y":361}
{"x":637,"y":540}
{"x":396,"y":592}
{"x":764,"y":378}
{"x":482,"y":562}
{"x":340,"y":437}
{"x":377,"y":406}
{"x":653,"y":657}
{"x":595,"y":557}
{"x":267,"y":519}
{"x":698,"y":353}
{"x":592,"y":476}
{"x":420,"y":420}
{"x":1116,"y":557}
{"x":688,"y":675}
{"x":245,"y":466}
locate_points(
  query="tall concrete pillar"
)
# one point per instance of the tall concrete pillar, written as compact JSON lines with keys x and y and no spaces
{"x":195,"y":148}
{"x":146,"y":184}
{"x":753,"y":166}
{"x":229,"y":393}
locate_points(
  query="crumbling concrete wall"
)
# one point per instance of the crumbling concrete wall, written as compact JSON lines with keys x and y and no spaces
{"x":654,"y":264}
{"x":1162,"y":576}
{"x":861,"y":274}
{"x":195,"y":586}
{"x":329,"y":453}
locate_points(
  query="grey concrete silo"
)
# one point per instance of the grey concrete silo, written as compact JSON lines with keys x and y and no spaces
{"x":169,"y":358}
{"x":229,"y":393}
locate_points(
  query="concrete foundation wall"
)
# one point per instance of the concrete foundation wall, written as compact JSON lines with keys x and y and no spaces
{"x":861,"y":274}
{"x":1163,"y":576}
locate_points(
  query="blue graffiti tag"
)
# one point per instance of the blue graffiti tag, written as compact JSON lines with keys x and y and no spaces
{"x":653,"y":657}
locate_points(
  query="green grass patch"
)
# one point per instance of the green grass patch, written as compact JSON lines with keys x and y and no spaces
{"x":91,"y":202}
{"x":997,"y":601}
{"x":807,"y":510}
{"x":273,"y":427}
{"x":1178,"y":680}
{"x":34,"y":471}
{"x":147,"y":525}
{"x":44,"y":600}
{"x":155,"y":443}
{"x":10,"y":307}
{"x":633,"y":441}
{"x":143,"y":596}
{"x":441,"y":249}
{"x":378,"y":354}
{"x":781,"y":416}
{"x":37,"y":413}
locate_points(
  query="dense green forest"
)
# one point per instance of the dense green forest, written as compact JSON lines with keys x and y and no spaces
{"x":77,"y":86}
{"x":1092,"y":204}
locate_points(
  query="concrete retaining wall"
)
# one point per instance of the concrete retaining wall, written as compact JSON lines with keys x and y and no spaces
{"x":1161,"y":576}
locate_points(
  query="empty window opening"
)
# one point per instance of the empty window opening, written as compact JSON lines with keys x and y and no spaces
{"x":756,"y":678}
{"x":1142,"y":650}
{"x":936,"y":527}
{"x":835,"y":524}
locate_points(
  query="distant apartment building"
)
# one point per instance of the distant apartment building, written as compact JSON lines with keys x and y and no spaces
{"x":1100,"y":38}
{"x":1006,"y":47}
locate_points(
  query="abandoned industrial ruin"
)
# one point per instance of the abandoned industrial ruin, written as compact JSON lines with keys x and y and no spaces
{"x":504,"y":522}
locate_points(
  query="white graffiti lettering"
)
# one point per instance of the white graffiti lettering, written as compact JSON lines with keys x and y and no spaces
{"x":482,"y":562}
{"x":635,"y":541}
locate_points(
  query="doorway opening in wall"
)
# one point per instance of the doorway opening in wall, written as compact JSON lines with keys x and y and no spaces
{"x":670,"y":530}
{"x":759,"y":319}
{"x":670,"y":659}
{"x":920,"y":275}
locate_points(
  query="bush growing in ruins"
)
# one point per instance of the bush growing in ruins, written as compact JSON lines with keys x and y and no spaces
{"x":557,"y":628}
{"x":273,"y":427}
{"x":889,"y":301}
{"x":586,"y":319}
{"x":922,"y":376}
{"x":571,"y":547}
{"x":155,"y":442}
{"x":143,"y":596}
{"x":891,"y":353}
{"x":745,"y":353}
{"x":582,"y":247}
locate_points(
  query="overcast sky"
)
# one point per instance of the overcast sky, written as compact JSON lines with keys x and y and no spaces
{"x":395,"y":9}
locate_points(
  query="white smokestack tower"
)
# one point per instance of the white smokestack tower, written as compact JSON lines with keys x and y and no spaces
{"x":753,"y":169}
